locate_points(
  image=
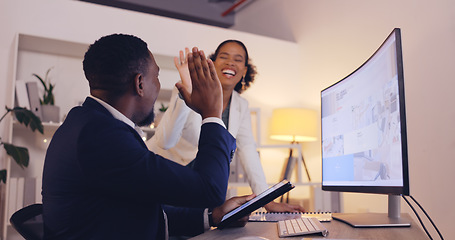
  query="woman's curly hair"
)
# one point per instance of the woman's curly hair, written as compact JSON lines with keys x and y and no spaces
{"x":251,"y":69}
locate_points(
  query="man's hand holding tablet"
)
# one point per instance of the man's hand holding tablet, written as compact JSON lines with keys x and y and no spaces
{"x":260,"y":200}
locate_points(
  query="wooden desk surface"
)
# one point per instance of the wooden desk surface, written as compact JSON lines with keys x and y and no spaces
{"x":337,"y":230}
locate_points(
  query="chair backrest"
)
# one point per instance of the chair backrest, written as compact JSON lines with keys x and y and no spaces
{"x":28,"y":222}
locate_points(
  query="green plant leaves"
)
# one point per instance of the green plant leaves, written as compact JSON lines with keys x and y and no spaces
{"x":48,"y":96}
{"x":19,"y":154}
{"x":41,"y":80}
{"x":163,"y":108}
{"x":28,"y":118}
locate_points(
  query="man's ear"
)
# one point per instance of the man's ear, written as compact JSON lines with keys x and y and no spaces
{"x":138,"y":84}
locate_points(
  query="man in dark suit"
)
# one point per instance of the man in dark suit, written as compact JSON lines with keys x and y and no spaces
{"x":99,"y":179}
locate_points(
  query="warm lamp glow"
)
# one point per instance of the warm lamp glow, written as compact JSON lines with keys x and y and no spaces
{"x":294,"y":125}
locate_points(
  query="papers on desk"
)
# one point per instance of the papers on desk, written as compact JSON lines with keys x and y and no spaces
{"x":263,"y":216}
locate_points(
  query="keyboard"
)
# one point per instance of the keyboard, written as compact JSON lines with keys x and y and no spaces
{"x":301,"y":226}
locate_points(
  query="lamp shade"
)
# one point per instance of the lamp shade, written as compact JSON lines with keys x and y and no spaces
{"x":294,"y":125}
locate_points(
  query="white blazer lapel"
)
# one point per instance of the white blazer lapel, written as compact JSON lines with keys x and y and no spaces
{"x":234,"y":114}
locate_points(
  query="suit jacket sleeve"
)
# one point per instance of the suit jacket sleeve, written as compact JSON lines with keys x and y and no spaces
{"x":184,"y":221}
{"x":116,"y":161}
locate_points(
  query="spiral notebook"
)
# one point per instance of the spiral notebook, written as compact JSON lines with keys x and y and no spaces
{"x":263,"y":216}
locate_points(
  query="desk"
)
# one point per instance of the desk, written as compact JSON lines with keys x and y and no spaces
{"x":337,"y":230}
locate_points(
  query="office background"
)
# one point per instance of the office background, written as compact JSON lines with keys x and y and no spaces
{"x":307,"y":46}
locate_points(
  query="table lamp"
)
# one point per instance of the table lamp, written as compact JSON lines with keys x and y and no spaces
{"x":294,"y":125}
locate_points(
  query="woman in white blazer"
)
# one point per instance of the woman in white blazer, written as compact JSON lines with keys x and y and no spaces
{"x":177,"y":134}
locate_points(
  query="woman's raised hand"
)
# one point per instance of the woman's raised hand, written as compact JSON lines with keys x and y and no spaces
{"x":206,"y":97}
{"x":181,"y":63}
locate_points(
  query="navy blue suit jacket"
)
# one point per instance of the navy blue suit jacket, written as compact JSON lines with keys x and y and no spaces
{"x":101,"y":182}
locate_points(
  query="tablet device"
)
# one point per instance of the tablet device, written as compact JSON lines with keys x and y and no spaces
{"x":257,"y":202}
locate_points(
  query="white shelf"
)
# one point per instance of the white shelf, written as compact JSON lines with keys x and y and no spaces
{"x":47,"y":126}
{"x":51,"y":46}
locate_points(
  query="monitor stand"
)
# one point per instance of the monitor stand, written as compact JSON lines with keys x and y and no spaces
{"x":391,"y":219}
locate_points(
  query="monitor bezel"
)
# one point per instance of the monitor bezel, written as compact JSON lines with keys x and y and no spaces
{"x":404,"y":190}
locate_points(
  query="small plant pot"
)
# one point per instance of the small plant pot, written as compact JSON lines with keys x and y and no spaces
{"x":50,"y":113}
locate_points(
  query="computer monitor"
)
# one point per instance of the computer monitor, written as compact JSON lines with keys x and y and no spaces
{"x":363,"y":127}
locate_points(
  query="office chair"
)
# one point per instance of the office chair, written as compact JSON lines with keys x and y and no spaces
{"x":28,"y":221}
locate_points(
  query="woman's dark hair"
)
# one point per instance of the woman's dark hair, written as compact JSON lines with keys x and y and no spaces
{"x":251,"y":69}
{"x":112,"y":61}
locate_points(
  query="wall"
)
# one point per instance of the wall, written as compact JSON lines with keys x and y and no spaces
{"x":251,"y":17}
{"x":337,"y":36}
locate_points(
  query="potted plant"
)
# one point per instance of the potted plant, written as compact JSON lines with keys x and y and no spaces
{"x":20,"y":154}
{"x":163,"y":108}
{"x":49,"y":112}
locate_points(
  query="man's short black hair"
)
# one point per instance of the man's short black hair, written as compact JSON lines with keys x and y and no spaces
{"x":112,"y":61}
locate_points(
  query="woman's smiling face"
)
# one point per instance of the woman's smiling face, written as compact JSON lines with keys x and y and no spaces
{"x":230,"y":64}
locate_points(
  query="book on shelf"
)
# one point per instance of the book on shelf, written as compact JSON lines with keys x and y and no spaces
{"x":12,"y":196}
{"x":20,"y":193}
{"x":263,"y":216}
{"x":33,"y":97}
{"x":29,"y":191}
{"x":38,"y":187}
{"x":22,"y":95}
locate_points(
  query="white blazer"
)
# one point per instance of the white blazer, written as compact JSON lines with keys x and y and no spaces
{"x":177,"y":135}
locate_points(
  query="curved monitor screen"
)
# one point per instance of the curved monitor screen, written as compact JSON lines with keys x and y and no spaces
{"x":364,"y":147}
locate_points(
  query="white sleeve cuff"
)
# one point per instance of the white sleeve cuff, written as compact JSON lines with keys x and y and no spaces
{"x":213,"y":119}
